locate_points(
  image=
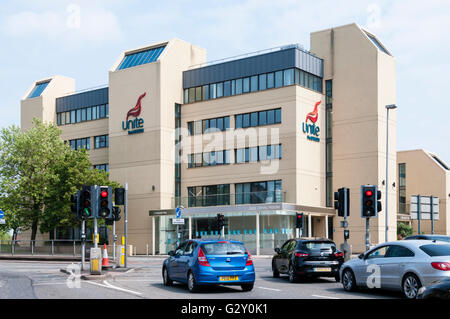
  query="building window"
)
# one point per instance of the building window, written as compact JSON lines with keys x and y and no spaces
{"x":209,"y":125}
{"x":260,"y":118}
{"x":211,"y":195}
{"x":83,"y":114}
{"x":209,"y":159}
{"x":257,"y":153}
{"x":402,"y":188}
{"x":329,"y":143}
{"x":259,"y":192}
{"x":103,"y":167}
{"x":80,"y":143}
{"x":101,"y":141}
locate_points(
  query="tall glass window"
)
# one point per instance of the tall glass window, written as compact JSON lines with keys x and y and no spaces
{"x":288,"y":77}
{"x":220,"y":89}
{"x":254,"y":83}
{"x":246,"y":85}
{"x":238,"y":86}
{"x":227,"y":88}
{"x":262,"y":82}
{"x":270,"y":80}
{"x":212,"y":91}
{"x":402,"y":188}
{"x":278,"y":79}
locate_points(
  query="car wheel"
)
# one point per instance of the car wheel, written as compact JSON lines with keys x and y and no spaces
{"x":411,"y":285}
{"x":192,"y":285}
{"x":166,"y":279}
{"x":247,"y":287}
{"x":276,"y":273}
{"x":348,"y":280}
{"x":292,"y":275}
{"x":337,"y":278}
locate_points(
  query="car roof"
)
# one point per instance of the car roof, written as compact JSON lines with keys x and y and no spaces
{"x":414,"y":242}
{"x":210,"y":241}
{"x":314,"y":239}
{"x":427,"y":235}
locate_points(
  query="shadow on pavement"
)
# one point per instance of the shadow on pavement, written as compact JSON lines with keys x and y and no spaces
{"x":178,"y":287}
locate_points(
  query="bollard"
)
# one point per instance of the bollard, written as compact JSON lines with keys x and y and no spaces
{"x":147,"y":249}
{"x":120,"y":261}
{"x":53,"y":247}
{"x":74,"y":248}
{"x":12,"y":247}
{"x":96,"y":261}
{"x":32,"y":248}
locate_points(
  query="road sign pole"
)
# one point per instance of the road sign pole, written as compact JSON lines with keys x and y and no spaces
{"x":418,"y":214}
{"x":431,"y":213}
{"x":114,"y":240}
{"x":346,"y":193}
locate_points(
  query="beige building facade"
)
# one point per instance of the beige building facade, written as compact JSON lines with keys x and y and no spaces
{"x":258,"y":138}
{"x":423,"y":173}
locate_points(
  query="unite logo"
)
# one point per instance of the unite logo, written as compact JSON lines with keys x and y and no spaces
{"x":136,"y":125}
{"x":312,"y":130}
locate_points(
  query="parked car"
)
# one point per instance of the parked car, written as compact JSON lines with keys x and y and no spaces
{"x":307,"y":257}
{"x":440,"y":290}
{"x":429,"y":237}
{"x":212,"y":262}
{"x":404,"y":265}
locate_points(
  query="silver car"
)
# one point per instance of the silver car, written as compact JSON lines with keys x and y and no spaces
{"x":405,"y":265}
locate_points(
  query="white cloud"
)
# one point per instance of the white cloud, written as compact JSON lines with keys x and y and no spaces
{"x":73,"y":25}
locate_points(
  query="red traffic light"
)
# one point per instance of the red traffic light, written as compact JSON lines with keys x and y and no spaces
{"x":369,"y":193}
{"x":299,"y":216}
{"x":104,"y":194}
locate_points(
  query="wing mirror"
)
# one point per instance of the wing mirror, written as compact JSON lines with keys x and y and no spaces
{"x":171,"y":253}
{"x":361,"y":256}
{"x":277,"y":250}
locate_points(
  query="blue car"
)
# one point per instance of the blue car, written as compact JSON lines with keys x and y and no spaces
{"x":212,"y":262}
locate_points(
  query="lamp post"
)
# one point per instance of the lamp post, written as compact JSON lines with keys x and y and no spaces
{"x":388,"y":107}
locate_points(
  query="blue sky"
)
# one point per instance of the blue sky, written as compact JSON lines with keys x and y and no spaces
{"x":82,"y":39}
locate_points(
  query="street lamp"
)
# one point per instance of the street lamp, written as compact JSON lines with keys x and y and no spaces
{"x":388,"y":107}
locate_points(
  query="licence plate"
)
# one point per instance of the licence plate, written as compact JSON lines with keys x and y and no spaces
{"x":228,"y":278}
{"x":322,"y":269}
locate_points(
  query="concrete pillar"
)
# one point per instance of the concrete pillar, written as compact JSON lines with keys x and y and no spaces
{"x":257,"y":234}
{"x":326,"y":227}
{"x":153,"y":236}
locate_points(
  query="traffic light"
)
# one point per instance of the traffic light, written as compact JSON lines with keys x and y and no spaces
{"x":87,"y":202}
{"x":379,"y":207}
{"x":342,"y":201}
{"x":369,"y":196}
{"x":299,"y":220}
{"x":116,"y":213}
{"x":104,"y":197}
{"x":75,"y":206}
{"x":346,"y":234}
{"x":119,"y":196}
{"x":220,"y":221}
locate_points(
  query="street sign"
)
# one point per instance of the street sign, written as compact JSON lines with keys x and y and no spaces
{"x":2,"y":214}
{"x":177,"y":221}
{"x":178,"y":212}
{"x":2,"y":221}
{"x":425,"y":207}
{"x":344,"y":224}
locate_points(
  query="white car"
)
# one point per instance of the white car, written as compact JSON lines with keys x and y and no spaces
{"x":405,"y":265}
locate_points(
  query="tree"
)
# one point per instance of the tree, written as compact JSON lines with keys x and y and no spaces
{"x":404,"y":230}
{"x":38,"y":173}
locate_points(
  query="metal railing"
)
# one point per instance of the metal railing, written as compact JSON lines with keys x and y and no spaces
{"x":56,"y":247}
{"x":231,"y":199}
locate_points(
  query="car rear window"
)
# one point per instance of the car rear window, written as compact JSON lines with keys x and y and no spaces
{"x":313,"y":245}
{"x":442,"y":238}
{"x":225,"y":248}
{"x":436,"y":250}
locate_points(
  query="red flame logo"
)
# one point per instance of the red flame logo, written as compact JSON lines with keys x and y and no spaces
{"x":136,"y":111}
{"x":314,"y":115}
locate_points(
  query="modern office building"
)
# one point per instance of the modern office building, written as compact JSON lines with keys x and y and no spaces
{"x":423,"y":173}
{"x":257,"y":137}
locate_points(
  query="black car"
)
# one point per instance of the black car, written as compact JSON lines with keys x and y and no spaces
{"x":429,"y":237}
{"x":307,"y":257}
{"x":440,"y":290}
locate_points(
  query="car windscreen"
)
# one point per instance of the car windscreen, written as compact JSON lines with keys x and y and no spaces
{"x":434,"y":250}
{"x":316,"y":245}
{"x":224,"y":248}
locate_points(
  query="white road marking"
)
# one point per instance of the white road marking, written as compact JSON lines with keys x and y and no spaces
{"x":138,"y":280}
{"x":273,"y":289}
{"x":49,"y":283}
{"x":326,"y":297}
{"x":108,"y":285}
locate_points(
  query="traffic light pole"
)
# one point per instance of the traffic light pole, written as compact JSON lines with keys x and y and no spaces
{"x":83,"y":243}
{"x":114,"y":240}
{"x":125,"y":216}
{"x":367,"y":233}
{"x":95,"y":232}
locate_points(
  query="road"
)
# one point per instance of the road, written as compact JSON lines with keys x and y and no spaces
{"x":37,"y":279}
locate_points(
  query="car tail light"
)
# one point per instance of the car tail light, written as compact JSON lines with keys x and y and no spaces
{"x":301,"y":255}
{"x":202,"y":260}
{"x":339,"y":254}
{"x":441,"y":266}
{"x":249,"y":260}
